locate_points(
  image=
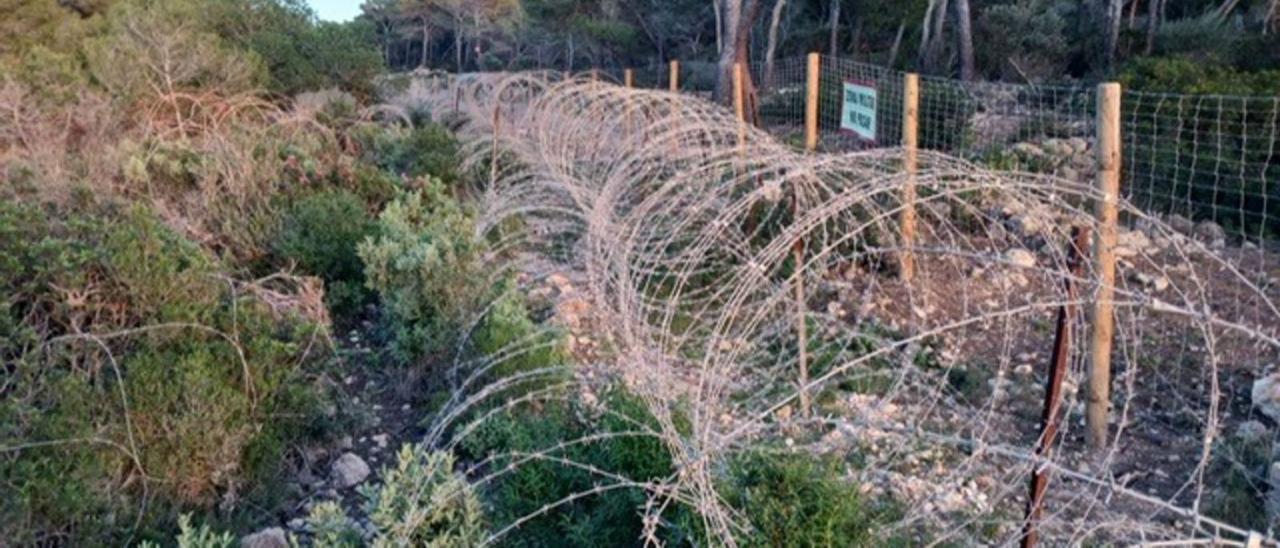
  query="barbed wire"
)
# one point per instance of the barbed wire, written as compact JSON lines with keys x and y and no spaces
{"x":689,"y":237}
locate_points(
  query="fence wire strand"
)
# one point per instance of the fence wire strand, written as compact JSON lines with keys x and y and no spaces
{"x":685,"y":238}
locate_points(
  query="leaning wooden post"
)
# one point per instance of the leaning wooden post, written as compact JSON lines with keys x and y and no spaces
{"x":629,"y":78}
{"x":1103,"y":316}
{"x":674,"y":78}
{"x":497,"y":129}
{"x":811,"y":103}
{"x":740,"y":104}
{"x":1052,"y":410}
{"x":910,"y":164}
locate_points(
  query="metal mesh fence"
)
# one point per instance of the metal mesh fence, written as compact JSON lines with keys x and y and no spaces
{"x":1206,"y":158}
{"x":1193,"y":159}
{"x":836,"y":76}
{"x":699,"y":78}
{"x":1033,"y":128}
{"x":782,"y":91}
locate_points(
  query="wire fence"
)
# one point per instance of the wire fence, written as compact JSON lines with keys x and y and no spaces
{"x":1206,"y":158}
{"x":1209,"y":164}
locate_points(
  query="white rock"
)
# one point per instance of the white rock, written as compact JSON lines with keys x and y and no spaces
{"x":1156,"y":283}
{"x":1078,"y":145}
{"x":1028,"y":150}
{"x":1135,"y":239}
{"x":1180,"y":224}
{"x":348,"y":471}
{"x":1266,"y":395}
{"x":1021,"y":257}
{"x":272,"y":537}
{"x":558,"y":280}
{"x":1211,"y":233}
{"x":1251,"y":430}
{"x":380,"y":440}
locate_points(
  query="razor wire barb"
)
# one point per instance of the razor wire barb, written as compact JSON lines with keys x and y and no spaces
{"x":682,"y":240}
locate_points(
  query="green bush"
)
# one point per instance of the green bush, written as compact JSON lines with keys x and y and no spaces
{"x":507,"y":329}
{"x":1186,"y":75}
{"x":185,"y":396}
{"x":1239,"y":471}
{"x":428,"y":150}
{"x":1197,"y":160}
{"x":800,"y":500}
{"x":609,"y":518}
{"x":1023,"y":40}
{"x":201,"y":536}
{"x":420,"y":502}
{"x":300,"y":53}
{"x":320,"y":234}
{"x":426,"y":264}
{"x":423,"y":502}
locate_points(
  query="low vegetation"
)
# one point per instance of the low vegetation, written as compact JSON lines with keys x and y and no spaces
{"x":214,"y":241}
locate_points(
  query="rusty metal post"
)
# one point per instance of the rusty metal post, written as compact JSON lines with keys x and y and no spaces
{"x":1053,"y":389}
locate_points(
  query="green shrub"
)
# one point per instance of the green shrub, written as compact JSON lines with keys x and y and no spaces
{"x":426,"y":264}
{"x":507,"y":329}
{"x":420,"y":502}
{"x":1207,"y":38}
{"x":609,"y":518}
{"x":1186,"y":75}
{"x":320,"y":234}
{"x":800,"y":500}
{"x":428,"y":150}
{"x":1176,"y":171}
{"x":423,"y":502}
{"x":197,"y":537}
{"x":1023,"y":40}
{"x":188,"y":410}
{"x":1239,"y":472}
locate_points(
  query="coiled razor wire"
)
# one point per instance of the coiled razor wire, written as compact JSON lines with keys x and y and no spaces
{"x":688,"y":237}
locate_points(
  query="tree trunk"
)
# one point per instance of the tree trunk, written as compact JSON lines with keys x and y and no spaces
{"x":739,"y":19}
{"x":426,"y":43}
{"x":964,"y":39}
{"x":1225,"y":9}
{"x":771,"y":49}
{"x":1113,"y":16}
{"x":457,"y":45}
{"x":834,"y":22}
{"x":926,"y":33}
{"x":1153,"y":24}
{"x":855,"y":38}
{"x":939,"y":30}
{"x":935,"y":23}
{"x":1133,"y":14}
{"x":897,"y":44}
{"x":720,"y":7}
{"x":732,"y":14}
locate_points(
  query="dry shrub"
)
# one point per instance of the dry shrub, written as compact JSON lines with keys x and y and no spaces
{"x":52,"y":148}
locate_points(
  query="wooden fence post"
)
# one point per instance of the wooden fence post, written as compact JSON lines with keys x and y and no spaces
{"x":674,"y":78}
{"x":629,"y":78}
{"x":910,"y":164}
{"x":811,"y":103}
{"x":1103,"y":316}
{"x":497,"y":130}
{"x":740,"y":103}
